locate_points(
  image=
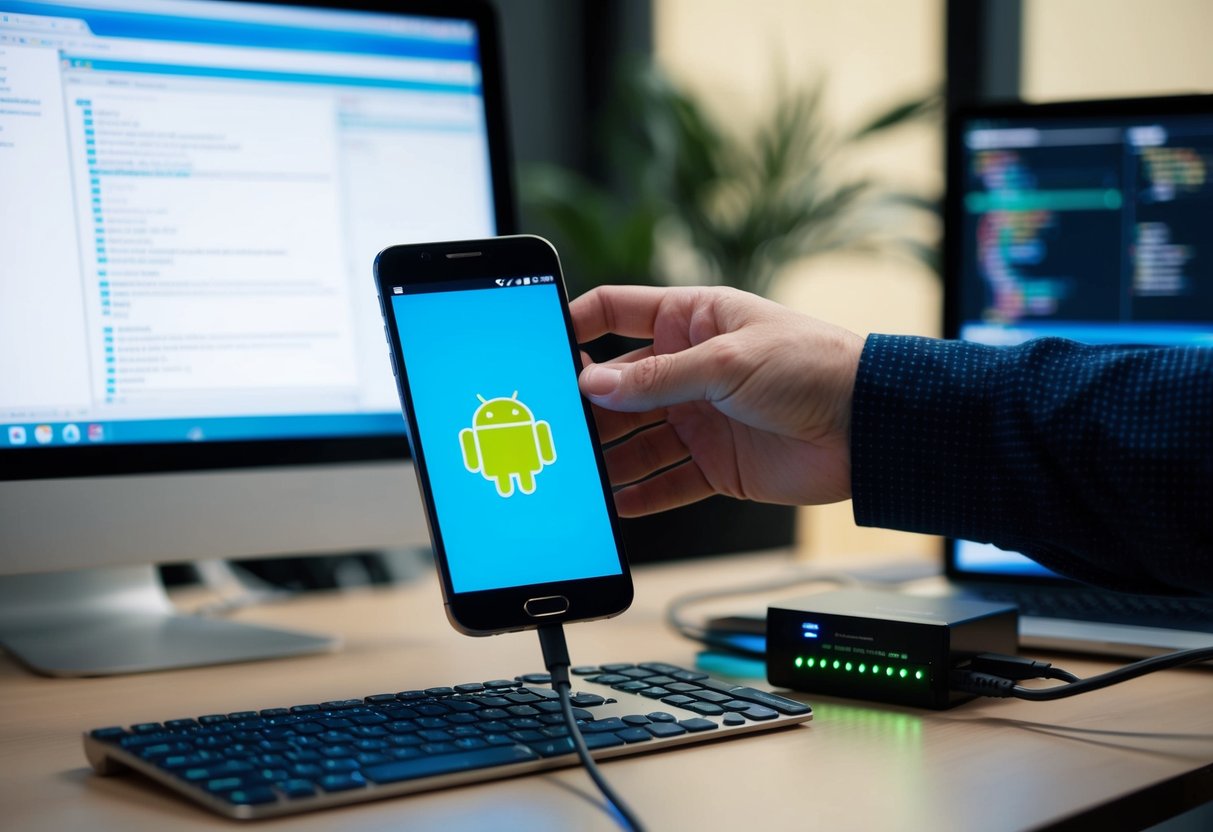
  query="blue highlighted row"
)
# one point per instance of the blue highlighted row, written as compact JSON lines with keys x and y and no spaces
{"x":355,"y":36}
{"x":193,"y":71}
{"x":218,"y":429}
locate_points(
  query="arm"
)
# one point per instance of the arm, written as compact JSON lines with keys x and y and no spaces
{"x":1095,"y":461}
{"x":467,"y":442}
{"x":547,"y":451}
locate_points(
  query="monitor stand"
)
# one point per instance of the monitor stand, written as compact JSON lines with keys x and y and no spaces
{"x":106,"y":622}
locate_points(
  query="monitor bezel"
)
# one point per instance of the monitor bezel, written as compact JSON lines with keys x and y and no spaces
{"x":163,"y":457}
{"x":958,"y":119}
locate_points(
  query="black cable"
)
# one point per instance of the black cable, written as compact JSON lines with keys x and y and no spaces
{"x":556,"y":660}
{"x":993,"y":684}
{"x":695,"y":632}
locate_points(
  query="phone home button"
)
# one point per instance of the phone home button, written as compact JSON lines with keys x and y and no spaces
{"x":545,"y":606}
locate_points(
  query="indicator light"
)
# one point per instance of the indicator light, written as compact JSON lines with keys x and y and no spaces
{"x":862,"y":668}
{"x":837,"y":664}
{"x":811,"y":662}
{"x":800,"y":661}
{"x":888,"y":671}
{"x":918,"y":674}
{"x":904,"y":673}
{"x":848,"y":666}
{"x":875,"y":668}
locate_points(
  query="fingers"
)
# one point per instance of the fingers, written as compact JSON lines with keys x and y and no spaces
{"x":679,"y":486}
{"x":655,"y":381}
{"x":646,"y":452}
{"x":615,"y":424}
{"x":625,"y":310}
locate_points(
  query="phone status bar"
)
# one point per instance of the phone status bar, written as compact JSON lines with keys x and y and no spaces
{"x":478,"y":283}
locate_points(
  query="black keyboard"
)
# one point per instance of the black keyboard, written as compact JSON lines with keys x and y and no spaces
{"x":274,"y":761}
{"x":1108,"y":607}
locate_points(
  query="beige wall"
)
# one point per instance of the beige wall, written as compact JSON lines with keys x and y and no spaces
{"x":1108,"y":48}
{"x":873,"y":53}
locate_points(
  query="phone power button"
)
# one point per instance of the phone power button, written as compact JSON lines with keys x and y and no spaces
{"x":545,"y":606}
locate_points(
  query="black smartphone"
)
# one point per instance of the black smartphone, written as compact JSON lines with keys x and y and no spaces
{"x":505,"y":449}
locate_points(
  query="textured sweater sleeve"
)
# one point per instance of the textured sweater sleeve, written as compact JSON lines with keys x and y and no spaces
{"x":1095,"y":461}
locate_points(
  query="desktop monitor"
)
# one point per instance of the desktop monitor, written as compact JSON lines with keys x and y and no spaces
{"x":1087,"y":221}
{"x":192,"y":361}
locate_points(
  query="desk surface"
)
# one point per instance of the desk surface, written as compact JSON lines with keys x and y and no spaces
{"x":1122,"y":757}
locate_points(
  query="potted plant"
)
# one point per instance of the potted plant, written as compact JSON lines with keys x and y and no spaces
{"x":694,"y":202}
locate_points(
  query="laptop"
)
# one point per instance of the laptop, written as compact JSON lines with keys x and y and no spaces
{"x":1087,"y":221}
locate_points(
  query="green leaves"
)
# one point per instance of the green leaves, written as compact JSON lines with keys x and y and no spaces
{"x":745,"y":204}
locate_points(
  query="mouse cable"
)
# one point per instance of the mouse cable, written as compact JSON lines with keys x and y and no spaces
{"x":556,"y":660}
{"x":675,"y":619}
{"x":995,"y":685}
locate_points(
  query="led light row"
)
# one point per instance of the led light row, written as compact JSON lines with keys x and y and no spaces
{"x":886,"y":670}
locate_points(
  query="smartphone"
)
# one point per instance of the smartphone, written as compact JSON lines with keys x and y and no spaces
{"x":507,"y":457}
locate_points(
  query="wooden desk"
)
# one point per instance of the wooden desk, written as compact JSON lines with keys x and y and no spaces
{"x":1120,"y":758}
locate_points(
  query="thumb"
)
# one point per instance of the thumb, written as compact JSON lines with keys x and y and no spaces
{"x":652,"y":382}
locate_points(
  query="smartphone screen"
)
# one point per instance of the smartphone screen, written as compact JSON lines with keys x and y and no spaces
{"x":513,"y":475}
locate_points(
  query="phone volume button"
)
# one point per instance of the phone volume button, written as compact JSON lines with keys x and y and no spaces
{"x":392,"y":358}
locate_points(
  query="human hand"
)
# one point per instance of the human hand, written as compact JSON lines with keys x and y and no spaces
{"x":736,"y":395}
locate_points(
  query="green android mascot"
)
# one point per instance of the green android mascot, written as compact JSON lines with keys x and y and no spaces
{"x":505,"y":444}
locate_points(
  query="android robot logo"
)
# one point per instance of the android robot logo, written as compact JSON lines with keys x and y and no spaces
{"x":506,"y":445}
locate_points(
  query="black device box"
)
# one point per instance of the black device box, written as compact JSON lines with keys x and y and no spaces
{"x":883,"y":646}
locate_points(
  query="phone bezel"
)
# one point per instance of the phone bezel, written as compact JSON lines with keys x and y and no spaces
{"x":487,"y":612}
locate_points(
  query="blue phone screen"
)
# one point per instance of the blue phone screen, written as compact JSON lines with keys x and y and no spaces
{"x":512,"y":472}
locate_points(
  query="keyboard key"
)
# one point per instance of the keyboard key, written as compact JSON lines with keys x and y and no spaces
{"x":661,"y":716}
{"x":779,"y":703}
{"x":654,"y":693}
{"x":733,"y":719}
{"x":255,"y":796}
{"x":697,"y":724}
{"x":112,"y":733}
{"x":585,"y":670}
{"x":758,"y":713}
{"x":469,"y":687}
{"x":665,"y":729}
{"x":586,"y":700}
{"x":399,"y":770}
{"x":608,"y":740}
{"x":636,"y":719}
{"x":343,"y":782}
{"x":610,"y":679}
{"x":678,"y":700}
{"x":706,"y":708}
{"x":601,"y":725}
{"x":535,"y":678}
{"x":294,"y":788}
{"x":147,"y":728}
{"x":552,"y":748}
{"x":630,"y":735}
{"x":615,"y":668}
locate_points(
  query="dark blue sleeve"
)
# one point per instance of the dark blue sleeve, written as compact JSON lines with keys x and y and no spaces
{"x":1095,"y":461}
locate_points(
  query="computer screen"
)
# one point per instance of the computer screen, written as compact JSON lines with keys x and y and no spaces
{"x":192,"y":361}
{"x":1086,"y":221}
{"x":193,"y":194}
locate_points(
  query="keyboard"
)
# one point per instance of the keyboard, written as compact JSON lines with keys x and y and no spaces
{"x":276,"y":761}
{"x":1107,"y":607}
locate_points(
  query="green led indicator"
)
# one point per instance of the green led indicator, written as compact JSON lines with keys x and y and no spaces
{"x":812,"y":662}
{"x":888,"y":671}
{"x":799,"y":661}
{"x":918,"y":674}
{"x":837,"y":664}
{"x":875,"y":668}
{"x":862,"y":668}
{"x":904,"y":673}
{"x":848,"y":667}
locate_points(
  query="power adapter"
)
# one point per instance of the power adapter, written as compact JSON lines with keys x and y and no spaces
{"x":883,"y":646}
